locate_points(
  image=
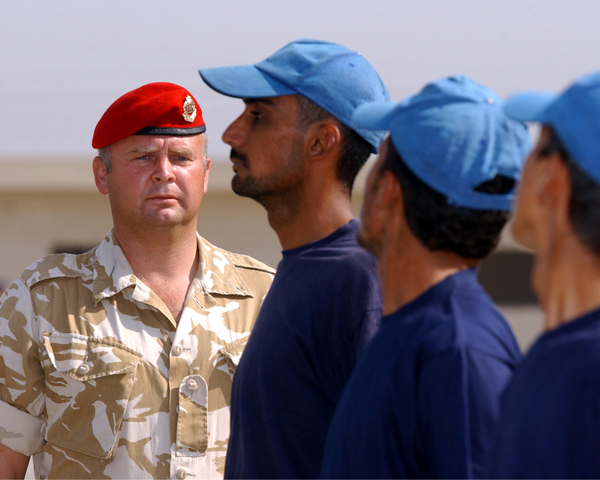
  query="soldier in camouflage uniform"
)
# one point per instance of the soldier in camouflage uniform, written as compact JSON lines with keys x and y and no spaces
{"x":108,"y":368}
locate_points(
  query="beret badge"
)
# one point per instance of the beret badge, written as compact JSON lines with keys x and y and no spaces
{"x":158,"y":108}
{"x":189,"y":109}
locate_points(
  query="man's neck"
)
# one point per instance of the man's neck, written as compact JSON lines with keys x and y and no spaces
{"x":309,"y":217}
{"x":165,"y":260}
{"x":163,"y":251}
{"x":407,"y":269}
{"x":566,"y":278}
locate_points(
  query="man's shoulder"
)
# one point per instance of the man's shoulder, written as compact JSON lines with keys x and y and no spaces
{"x":55,"y":266}
{"x":238,"y":260}
{"x":245,"y":261}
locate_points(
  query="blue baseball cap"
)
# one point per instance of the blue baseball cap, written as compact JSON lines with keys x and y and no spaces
{"x":453,"y":135}
{"x":573,"y":115}
{"x":330,"y":75}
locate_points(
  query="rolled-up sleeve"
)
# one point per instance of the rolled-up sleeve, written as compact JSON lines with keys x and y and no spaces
{"x":22,"y":386}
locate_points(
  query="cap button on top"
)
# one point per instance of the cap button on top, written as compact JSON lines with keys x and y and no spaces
{"x":177,"y":350}
{"x":489,"y":101}
{"x":83,"y":369}
{"x":181,"y":473}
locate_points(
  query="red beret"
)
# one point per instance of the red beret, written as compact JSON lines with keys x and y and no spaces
{"x":153,"y":109}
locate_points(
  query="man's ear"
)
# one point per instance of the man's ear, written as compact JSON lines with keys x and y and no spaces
{"x":387,"y":190}
{"x":554,"y":185}
{"x":555,"y":192}
{"x":206,"y":172}
{"x":100,"y":175}
{"x":324,"y":138}
{"x":392,"y":193}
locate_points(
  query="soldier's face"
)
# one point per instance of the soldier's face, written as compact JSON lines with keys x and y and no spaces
{"x":267,"y":147}
{"x":156,"y":181}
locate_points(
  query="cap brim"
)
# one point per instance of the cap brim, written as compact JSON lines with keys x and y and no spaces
{"x":375,"y":115}
{"x":244,"y":81}
{"x":529,"y":106}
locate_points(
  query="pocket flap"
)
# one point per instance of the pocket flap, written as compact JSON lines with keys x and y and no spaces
{"x":233,"y":351}
{"x":85,"y":358}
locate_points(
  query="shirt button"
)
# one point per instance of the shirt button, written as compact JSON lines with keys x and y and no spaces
{"x":181,"y":473}
{"x":83,"y":369}
{"x":177,"y":350}
{"x":192,"y":384}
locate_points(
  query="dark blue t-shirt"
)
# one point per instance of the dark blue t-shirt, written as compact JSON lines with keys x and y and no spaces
{"x":323,"y":308}
{"x":424,"y":398}
{"x":550,"y":413}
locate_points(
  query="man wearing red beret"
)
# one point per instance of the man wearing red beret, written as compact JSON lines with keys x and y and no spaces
{"x":118,"y":363}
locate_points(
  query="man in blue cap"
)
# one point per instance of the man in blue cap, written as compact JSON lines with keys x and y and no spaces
{"x":296,"y":151}
{"x":424,"y":396}
{"x":550,"y":412}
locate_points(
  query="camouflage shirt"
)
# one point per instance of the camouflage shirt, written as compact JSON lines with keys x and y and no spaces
{"x":98,"y":381}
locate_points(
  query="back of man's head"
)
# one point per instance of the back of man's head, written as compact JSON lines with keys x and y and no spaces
{"x":457,"y":157}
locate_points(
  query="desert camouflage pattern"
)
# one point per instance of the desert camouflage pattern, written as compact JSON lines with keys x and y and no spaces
{"x":98,"y":381}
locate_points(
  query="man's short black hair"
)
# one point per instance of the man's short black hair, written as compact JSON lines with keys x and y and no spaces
{"x":440,"y":226}
{"x":584,"y":204}
{"x":355,"y":149}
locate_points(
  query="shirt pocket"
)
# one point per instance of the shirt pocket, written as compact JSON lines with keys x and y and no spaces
{"x":88,"y":383}
{"x":193,"y":434}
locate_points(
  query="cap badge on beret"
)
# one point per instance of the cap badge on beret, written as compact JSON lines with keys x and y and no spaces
{"x":152,"y":109}
{"x":189,"y":109}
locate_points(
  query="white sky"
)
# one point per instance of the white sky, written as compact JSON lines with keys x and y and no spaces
{"x":63,"y":62}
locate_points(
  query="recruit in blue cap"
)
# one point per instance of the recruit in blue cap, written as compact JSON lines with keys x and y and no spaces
{"x":574,"y":116}
{"x":330,"y":75}
{"x":454,"y":136}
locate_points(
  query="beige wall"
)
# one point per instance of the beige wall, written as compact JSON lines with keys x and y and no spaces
{"x":39,"y":212}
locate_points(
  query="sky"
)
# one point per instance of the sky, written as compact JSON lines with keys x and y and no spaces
{"x":63,"y":62}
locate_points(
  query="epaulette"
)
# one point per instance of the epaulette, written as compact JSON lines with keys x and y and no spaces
{"x":60,"y":265}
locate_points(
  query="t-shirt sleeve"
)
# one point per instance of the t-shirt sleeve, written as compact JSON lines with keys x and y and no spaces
{"x":21,"y":376}
{"x":444,"y":437}
{"x":368,"y":328}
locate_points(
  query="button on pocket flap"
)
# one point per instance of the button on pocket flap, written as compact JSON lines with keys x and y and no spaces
{"x":84,"y":358}
{"x":233,"y":351}
{"x":194,"y":387}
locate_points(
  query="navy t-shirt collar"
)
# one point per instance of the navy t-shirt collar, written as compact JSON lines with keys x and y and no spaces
{"x":347,"y":228}
{"x":440,"y":289}
{"x":586,"y":321}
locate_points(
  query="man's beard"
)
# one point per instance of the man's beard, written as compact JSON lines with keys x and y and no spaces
{"x":279,"y":192}
{"x":276,"y":184}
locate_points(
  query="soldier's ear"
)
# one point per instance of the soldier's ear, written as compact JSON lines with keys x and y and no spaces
{"x":100,"y":175}
{"x":206,"y":172}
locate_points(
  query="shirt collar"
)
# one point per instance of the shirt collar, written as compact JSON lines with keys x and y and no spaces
{"x":217,"y":271}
